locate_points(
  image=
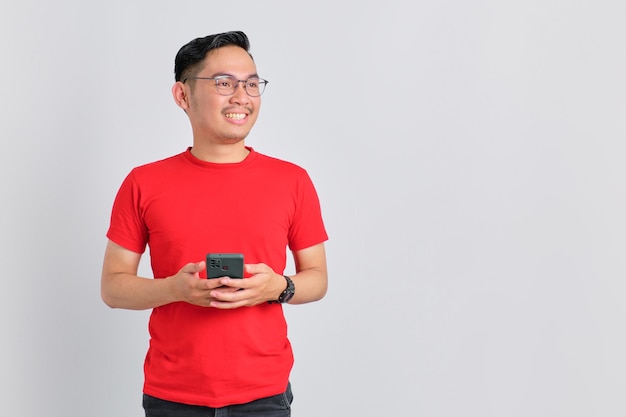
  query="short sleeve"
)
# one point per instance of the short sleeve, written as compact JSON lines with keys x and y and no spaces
{"x":308,"y":227}
{"x":127,"y":228}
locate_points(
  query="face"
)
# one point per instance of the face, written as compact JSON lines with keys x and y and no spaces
{"x":216,"y":118}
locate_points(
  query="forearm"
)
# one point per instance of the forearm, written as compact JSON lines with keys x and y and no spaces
{"x":120,"y":290}
{"x":311,"y":279}
{"x":310,"y":285}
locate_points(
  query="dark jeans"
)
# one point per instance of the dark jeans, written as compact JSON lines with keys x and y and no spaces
{"x":274,"y":406}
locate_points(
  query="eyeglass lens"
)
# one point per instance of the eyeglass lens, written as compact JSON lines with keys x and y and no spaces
{"x":227,"y":85}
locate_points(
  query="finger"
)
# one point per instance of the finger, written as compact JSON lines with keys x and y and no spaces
{"x":193,"y":268}
{"x":226,"y":294}
{"x":226,"y":305}
{"x":234,"y":282}
{"x":254,"y":269}
{"x":210,"y":284}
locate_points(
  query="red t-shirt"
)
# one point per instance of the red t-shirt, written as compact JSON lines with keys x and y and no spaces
{"x":184,"y":208}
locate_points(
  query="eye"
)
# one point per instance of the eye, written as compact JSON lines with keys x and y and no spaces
{"x":253,"y":83}
{"x":224,"y":82}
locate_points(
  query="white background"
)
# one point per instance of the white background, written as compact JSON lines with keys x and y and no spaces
{"x":469,"y":157}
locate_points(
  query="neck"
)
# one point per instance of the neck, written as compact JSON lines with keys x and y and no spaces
{"x":221,"y":154}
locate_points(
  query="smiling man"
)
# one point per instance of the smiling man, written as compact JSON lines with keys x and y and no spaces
{"x":217,"y":346}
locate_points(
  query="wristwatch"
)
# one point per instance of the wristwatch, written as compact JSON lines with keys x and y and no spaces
{"x":287,"y":294}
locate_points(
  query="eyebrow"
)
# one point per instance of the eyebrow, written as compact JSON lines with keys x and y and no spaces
{"x":222,"y":74}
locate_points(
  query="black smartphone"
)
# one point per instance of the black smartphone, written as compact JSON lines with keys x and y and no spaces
{"x":224,"y":265}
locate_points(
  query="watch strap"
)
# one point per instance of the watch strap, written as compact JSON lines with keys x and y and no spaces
{"x":287,"y":293}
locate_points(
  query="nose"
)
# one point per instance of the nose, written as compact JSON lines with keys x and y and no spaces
{"x":240,"y":96}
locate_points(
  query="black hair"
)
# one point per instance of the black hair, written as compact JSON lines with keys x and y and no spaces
{"x":193,"y":53}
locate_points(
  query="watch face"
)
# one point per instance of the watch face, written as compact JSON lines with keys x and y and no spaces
{"x":288,"y":296}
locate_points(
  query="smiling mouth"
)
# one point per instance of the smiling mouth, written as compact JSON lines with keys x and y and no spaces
{"x":235,"y":116}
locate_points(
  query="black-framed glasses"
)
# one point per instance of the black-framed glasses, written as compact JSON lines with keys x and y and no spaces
{"x":226,"y":85}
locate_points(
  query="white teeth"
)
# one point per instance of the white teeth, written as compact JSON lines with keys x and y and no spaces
{"x":236,"y":116}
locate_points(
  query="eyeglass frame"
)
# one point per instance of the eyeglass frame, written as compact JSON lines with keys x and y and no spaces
{"x":245,"y":85}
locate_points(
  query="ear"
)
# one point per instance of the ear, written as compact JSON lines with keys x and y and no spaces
{"x":179,"y":91}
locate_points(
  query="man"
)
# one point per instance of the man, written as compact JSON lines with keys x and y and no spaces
{"x":217,"y":346}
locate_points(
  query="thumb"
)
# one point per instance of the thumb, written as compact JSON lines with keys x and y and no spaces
{"x":193,"y":268}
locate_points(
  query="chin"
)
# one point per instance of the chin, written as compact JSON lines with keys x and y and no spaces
{"x":237,"y":135}
{"x":233,"y":138}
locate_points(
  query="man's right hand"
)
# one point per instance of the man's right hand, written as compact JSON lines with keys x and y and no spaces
{"x":122,"y":288}
{"x":187,"y":285}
